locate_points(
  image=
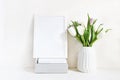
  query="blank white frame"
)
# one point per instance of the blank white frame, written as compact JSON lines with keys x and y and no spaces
{"x":50,"y":37}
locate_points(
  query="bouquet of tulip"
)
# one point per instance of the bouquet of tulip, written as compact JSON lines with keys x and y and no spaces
{"x":87,"y":35}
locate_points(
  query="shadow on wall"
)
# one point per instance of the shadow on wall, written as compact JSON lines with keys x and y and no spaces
{"x":73,"y":49}
{"x":30,"y":61}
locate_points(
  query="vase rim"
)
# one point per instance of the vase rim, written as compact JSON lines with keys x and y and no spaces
{"x":87,"y":47}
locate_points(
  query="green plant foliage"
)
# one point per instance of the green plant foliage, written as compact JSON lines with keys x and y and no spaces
{"x":90,"y":35}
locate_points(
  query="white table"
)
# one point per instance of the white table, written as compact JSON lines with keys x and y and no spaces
{"x":12,"y":73}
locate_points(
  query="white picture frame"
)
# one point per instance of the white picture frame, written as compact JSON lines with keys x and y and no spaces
{"x":50,"y":37}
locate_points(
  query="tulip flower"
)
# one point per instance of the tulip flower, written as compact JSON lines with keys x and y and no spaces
{"x":92,"y":21}
{"x":72,"y":31}
{"x":81,"y":30}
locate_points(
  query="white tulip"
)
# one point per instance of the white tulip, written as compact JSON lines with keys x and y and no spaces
{"x":72,"y":31}
{"x":81,"y":30}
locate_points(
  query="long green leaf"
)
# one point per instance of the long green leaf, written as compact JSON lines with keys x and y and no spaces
{"x":93,"y":35}
{"x":98,"y":28}
{"x":88,"y":23}
{"x":83,"y":40}
{"x":94,"y":22}
{"x":108,"y":30}
{"x":86,"y":37}
{"x":99,"y":31}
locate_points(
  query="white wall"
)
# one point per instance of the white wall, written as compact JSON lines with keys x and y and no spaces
{"x":2,"y":20}
{"x":18,"y":28}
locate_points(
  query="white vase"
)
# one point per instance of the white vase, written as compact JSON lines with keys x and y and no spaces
{"x":86,"y":60}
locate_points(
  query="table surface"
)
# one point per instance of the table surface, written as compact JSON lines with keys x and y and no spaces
{"x":11,"y":73}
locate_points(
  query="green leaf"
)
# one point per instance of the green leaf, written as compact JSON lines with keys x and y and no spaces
{"x":93,"y":34}
{"x":99,"y":31}
{"x":107,"y":30}
{"x":75,"y":23}
{"x":88,"y":23}
{"x":86,"y":37}
{"x":98,"y":28}
{"x":94,"y":21}
{"x":79,"y":39}
{"x":92,"y":42}
{"x":83,"y":40}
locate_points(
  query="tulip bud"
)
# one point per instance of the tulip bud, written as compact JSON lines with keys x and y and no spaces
{"x":91,"y":21}
{"x":72,"y":31}
{"x":81,"y":30}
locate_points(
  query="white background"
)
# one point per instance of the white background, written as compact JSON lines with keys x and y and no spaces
{"x":16,"y":29}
